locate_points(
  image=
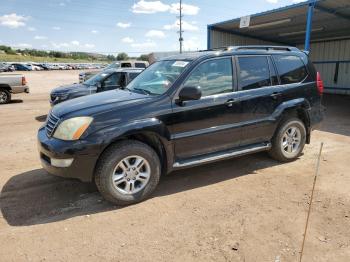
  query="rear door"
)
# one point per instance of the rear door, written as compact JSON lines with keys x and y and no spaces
{"x":260,"y":94}
{"x":209,"y":124}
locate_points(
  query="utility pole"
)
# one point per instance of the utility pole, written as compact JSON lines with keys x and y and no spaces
{"x":180,"y":32}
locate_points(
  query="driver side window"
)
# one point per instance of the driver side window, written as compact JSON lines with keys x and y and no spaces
{"x":112,"y":81}
{"x":213,"y":77}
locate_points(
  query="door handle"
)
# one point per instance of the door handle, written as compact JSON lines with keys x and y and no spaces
{"x":230,"y":102}
{"x":275,"y":95}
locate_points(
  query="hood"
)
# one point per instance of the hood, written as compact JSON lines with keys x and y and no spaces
{"x":69,"y":89}
{"x":98,"y":103}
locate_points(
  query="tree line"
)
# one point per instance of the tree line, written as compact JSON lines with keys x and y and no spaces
{"x":71,"y":55}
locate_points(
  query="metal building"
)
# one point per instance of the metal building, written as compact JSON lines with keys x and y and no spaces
{"x":319,"y":26}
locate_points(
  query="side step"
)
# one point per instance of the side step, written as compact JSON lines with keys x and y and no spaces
{"x":221,"y":155}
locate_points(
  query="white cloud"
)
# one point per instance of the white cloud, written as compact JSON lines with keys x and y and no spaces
{"x":94,"y":31}
{"x":192,"y":44}
{"x":13,"y":20}
{"x":149,"y":7}
{"x":144,"y":46}
{"x":23,"y":45}
{"x":123,"y":25}
{"x":127,"y":40}
{"x":185,"y":26}
{"x":30,"y":28}
{"x":75,"y":42}
{"x":89,"y":46}
{"x":155,"y":34}
{"x":40,"y":37}
{"x":62,"y":4}
{"x":59,"y":45}
{"x":56,"y":28}
{"x":186,"y":9}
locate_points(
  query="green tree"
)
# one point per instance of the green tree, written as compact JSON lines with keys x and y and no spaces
{"x":144,"y":57}
{"x":122,"y":56}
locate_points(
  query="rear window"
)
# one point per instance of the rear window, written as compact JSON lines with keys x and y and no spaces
{"x":140,"y":65}
{"x":291,"y":69}
{"x":253,"y":72}
{"x":126,"y":65}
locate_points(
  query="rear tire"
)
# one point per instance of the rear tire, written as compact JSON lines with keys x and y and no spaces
{"x":289,"y":141}
{"x":5,"y":96}
{"x":127,"y":172}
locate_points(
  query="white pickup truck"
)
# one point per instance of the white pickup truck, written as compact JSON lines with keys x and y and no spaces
{"x":12,"y":84}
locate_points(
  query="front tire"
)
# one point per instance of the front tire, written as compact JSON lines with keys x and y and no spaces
{"x":289,"y":140}
{"x":5,"y":96}
{"x":127,"y":172}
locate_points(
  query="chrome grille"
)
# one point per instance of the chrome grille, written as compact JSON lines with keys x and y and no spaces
{"x":51,"y":124}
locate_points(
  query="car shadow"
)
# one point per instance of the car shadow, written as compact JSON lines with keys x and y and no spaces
{"x":35,"y":197}
{"x":41,"y":118}
{"x":16,"y":101}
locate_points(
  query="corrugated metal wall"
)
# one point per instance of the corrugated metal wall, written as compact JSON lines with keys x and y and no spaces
{"x":221,"y":39}
{"x":321,"y":53}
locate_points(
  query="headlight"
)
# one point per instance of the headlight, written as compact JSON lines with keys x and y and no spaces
{"x":73,"y":128}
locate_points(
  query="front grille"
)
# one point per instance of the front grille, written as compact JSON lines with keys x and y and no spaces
{"x":51,"y":124}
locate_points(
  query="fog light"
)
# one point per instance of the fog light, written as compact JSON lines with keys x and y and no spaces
{"x":61,"y":162}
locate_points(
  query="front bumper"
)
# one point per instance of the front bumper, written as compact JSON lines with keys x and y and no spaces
{"x":84,"y":154}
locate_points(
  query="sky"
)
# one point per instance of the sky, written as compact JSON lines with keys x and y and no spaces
{"x":113,"y":26}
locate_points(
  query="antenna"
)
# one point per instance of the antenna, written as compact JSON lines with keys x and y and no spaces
{"x":181,"y":31}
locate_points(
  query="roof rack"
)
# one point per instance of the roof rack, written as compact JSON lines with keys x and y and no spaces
{"x":264,"y":47}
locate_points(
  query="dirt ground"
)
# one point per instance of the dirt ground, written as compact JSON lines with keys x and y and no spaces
{"x":246,"y":209}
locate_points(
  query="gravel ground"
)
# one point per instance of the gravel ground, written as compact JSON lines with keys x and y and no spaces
{"x":246,"y":209}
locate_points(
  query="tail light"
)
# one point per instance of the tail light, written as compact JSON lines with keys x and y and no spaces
{"x":319,"y":83}
{"x":24,"y":81}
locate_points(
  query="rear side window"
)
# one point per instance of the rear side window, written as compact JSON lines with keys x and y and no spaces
{"x":290,"y":68}
{"x":140,"y":65}
{"x":126,"y":65}
{"x":213,"y":76}
{"x":253,"y":72}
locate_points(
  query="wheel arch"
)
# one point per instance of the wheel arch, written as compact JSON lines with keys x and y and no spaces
{"x":5,"y":87}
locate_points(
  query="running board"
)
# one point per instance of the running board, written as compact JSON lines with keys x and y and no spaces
{"x":222,"y":155}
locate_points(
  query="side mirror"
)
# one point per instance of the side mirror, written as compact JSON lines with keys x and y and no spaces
{"x":190,"y":93}
{"x":98,"y":85}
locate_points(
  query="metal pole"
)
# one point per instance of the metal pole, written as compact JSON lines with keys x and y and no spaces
{"x":310,"y":13}
{"x":180,"y":39}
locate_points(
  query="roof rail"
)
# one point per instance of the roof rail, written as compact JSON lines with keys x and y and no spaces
{"x":264,"y":47}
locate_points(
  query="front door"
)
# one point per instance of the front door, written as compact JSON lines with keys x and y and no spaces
{"x":209,"y":124}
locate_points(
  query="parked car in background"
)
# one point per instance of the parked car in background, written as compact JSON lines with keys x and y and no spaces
{"x":11,"y":84}
{"x":6,"y":67}
{"x":103,"y":81}
{"x":122,"y":64}
{"x":184,"y":111}
{"x":21,"y":67}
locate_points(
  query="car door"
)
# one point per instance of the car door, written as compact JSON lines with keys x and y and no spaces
{"x":260,"y":94}
{"x":113,"y":81}
{"x":209,"y":124}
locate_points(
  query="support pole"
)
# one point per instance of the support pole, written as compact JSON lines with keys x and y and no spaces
{"x":310,"y":13}
{"x":208,"y":37}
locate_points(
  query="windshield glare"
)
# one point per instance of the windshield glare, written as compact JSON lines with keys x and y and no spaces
{"x":158,"y":78}
{"x":96,"y":79}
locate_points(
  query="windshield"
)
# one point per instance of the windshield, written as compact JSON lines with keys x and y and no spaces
{"x":96,"y":79}
{"x":158,"y":78}
{"x":113,"y":66}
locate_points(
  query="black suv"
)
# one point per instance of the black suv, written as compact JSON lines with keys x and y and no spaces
{"x":184,"y":111}
{"x":104,"y":81}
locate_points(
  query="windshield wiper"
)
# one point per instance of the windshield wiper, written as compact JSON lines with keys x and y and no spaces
{"x":146,"y":92}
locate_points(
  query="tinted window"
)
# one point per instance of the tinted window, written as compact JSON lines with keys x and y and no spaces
{"x":126,"y":65}
{"x":133,"y":75}
{"x":140,"y":65}
{"x":254,"y":72}
{"x":113,"y":80}
{"x":214,"y":77}
{"x":291,"y":69}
